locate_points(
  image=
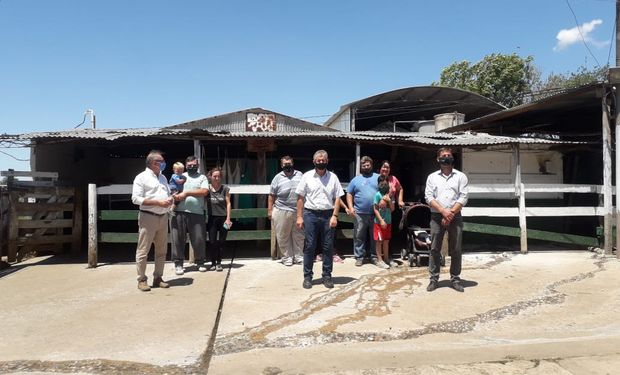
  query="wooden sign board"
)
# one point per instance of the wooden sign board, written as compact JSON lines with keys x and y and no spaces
{"x":261,"y":145}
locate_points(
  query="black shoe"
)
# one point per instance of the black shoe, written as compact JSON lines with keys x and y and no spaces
{"x":327,"y":281}
{"x":456,"y":285}
{"x":307,"y":284}
{"x":431,"y":286}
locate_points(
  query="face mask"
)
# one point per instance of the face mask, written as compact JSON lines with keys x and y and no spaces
{"x":446,"y":160}
{"x":287,"y":168}
{"x":320,"y":166}
{"x":162,"y":165}
{"x":192,"y":169}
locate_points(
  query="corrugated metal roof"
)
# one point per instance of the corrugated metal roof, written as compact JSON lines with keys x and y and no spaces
{"x":236,"y":122}
{"x":448,"y":139}
{"x":416,"y":103}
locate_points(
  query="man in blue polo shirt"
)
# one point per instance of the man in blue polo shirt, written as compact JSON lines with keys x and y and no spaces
{"x":360,"y":195}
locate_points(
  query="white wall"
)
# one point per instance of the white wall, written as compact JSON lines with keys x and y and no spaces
{"x":497,"y":167}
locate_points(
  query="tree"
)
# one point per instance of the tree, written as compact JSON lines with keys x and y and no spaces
{"x":501,"y":78}
{"x":556,"y":82}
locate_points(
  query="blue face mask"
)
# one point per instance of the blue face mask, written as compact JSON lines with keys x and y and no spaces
{"x":162,"y":165}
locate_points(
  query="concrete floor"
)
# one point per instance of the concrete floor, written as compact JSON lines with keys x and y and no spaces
{"x":540,"y":313}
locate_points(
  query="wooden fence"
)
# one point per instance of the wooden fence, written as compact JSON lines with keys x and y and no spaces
{"x":41,"y":216}
{"x":476,"y":191}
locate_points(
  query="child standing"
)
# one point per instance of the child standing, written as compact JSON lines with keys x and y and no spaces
{"x":382,"y":229}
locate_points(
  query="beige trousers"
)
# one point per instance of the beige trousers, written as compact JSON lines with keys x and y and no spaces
{"x":290,"y":238}
{"x":152,"y":229}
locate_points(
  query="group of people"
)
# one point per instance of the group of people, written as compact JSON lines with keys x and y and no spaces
{"x":182,"y":202}
{"x":303,"y":208}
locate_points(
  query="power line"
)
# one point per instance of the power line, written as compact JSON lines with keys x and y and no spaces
{"x":581,"y":35}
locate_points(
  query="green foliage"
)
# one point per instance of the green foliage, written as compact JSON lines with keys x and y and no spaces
{"x":501,"y":78}
{"x":512,"y":80}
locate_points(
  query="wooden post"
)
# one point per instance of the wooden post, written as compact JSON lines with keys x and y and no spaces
{"x":522,"y":220}
{"x":76,"y":231}
{"x":13,"y":227}
{"x":607,"y":193}
{"x":92,"y":226}
{"x":520,"y":193}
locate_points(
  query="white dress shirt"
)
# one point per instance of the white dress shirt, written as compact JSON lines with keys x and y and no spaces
{"x":446,"y":190}
{"x":320,"y":192}
{"x":147,"y":185}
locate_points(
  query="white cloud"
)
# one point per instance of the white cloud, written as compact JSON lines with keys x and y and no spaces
{"x":566,"y":37}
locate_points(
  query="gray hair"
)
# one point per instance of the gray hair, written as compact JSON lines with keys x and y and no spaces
{"x":320,"y":153}
{"x":152,"y":155}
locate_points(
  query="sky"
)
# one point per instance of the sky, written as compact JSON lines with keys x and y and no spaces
{"x":152,"y":63}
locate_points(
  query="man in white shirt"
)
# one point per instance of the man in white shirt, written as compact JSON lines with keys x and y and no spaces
{"x":318,"y":204}
{"x":446,"y":192}
{"x":151,"y":192}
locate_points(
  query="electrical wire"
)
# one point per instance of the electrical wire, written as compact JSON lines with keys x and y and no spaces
{"x":81,"y":123}
{"x":16,"y":158}
{"x":581,"y":35}
{"x":612,"y":41}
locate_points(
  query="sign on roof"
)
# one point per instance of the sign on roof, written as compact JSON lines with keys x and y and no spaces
{"x":260,"y":122}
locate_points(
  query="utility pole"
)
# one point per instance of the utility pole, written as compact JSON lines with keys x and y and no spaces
{"x":615,"y":80}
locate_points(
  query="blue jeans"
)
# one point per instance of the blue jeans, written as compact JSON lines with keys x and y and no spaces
{"x":317,"y":231}
{"x":363,"y":237}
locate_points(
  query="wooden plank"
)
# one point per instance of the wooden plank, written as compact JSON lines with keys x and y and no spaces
{"x":45,"y":192}
{"x":11,"y":173}
{"x":236,"y":213}
{"x":239,"y":213}
{"x":24,"y":208}
{"x":522,"y":220}
{"x":52,"y":239}
{"x":607,"y":194}
{"x":532,"y":234}
{"x":532,"y":211}
{"x":235,"y":235}
{"x":52,"y":223}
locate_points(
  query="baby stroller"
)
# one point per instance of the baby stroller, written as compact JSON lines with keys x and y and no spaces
{"x":416,"y":222}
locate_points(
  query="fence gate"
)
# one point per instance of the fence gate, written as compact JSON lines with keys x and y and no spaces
{"x":43,"y":218}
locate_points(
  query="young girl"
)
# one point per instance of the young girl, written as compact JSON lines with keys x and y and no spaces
{"x":218,"y":222}
{"x":382,"y":229}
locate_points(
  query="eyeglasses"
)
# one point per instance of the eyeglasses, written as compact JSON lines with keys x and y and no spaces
{"x":159,"y":161}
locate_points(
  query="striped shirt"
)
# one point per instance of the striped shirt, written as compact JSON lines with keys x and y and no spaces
{"x":283,"y":189}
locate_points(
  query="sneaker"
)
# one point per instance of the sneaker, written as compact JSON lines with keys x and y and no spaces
{"x":392,"y":263}
{"x":178,"y":270}
{"x":374,"y":261}
{"x":202,"y":268}
{"x":359,"y":262}
{"x":219,"y":268}
{"x":328,"y":282}
{"x":382,"y":264}
{"x":287,"y":261}
{"x":431,"y":286}
{"x":307,"y":284}
{"x":299,"y":260}
{"x":211,"y":267}
{"x":338,"y":259}
{"x":143,"y":286}
{"x":319,"y":258}
{"x":159,"y":283}
{"x":456,"y":285}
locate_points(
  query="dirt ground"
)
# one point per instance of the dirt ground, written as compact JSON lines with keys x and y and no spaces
{"x":540,"y":313}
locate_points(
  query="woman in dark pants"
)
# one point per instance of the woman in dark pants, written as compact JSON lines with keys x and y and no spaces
{"x":218,"y":222}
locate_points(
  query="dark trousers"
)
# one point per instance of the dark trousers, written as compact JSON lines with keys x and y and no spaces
{"x":455,"y":234}
{"x":217,"y":237}
{"x":182,"y":224}
{"x":317,"y":231}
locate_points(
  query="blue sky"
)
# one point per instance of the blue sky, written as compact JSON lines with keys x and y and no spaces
{"x":148,"y":63}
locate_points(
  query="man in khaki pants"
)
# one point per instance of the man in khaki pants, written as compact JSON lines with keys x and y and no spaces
{"x":152,"y":194}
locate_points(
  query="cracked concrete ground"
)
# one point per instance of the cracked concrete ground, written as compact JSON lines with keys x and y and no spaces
{"x":540,"y":313}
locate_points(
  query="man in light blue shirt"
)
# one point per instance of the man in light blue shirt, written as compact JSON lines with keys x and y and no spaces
{"x":446,"y":192}
{"x":360,"y":194}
